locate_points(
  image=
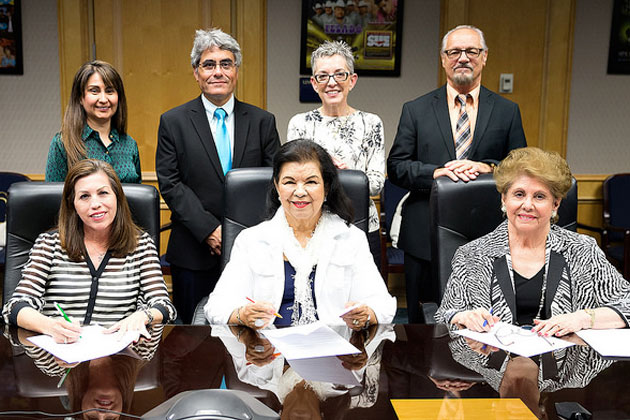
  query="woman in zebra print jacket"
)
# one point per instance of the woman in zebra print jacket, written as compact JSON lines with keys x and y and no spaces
{"x":530,"y":271}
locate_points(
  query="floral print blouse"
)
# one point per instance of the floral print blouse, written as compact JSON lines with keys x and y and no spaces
{"x":358,"y":140}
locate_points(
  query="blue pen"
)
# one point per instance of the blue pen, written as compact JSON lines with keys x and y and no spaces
{"x":486,"y":321}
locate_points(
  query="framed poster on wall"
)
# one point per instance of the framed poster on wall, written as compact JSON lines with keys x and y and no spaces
{"x":619,"y":49}
{"x":11,"y":59}
{"x":372,"y":28}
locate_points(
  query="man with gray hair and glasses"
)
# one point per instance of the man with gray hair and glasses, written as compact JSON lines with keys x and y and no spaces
{"x":198,"y":143}
{"x":459,"y":130}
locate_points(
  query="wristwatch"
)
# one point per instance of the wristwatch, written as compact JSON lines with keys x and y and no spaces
{"x":149,"y":315}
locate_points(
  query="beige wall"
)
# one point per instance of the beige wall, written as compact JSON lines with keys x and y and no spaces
{"x":599,"y":139}
{"x":30,"y":111}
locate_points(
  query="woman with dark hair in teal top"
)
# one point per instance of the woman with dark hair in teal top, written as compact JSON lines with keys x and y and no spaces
{"x":95,"y":126}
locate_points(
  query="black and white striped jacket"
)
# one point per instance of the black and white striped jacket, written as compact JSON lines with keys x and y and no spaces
{"x":125,"y":285}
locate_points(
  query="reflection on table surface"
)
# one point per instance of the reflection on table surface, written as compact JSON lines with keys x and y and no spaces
{"x":396,"y":362}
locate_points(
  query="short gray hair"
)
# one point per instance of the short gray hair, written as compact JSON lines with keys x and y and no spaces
{"x":457,"y":28}
{"x":214,"y":37}
{"x":330,"y":48}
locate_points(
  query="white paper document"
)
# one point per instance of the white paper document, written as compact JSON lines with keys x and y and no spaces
{"x":306,"y":341}
{"x":325,"y":369}
{"x":93,"y":344}
{"x":515,"y":339}
{"x":611,"y":343}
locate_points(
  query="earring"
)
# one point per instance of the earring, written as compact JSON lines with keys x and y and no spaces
{"x":503,"y":209}
{"x":554,"y":214}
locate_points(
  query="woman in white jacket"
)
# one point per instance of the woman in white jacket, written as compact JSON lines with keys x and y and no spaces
{"x":307,"y":262}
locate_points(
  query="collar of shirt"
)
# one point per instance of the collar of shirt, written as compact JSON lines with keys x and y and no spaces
{"x":451,"y":94}
{"x":471,"y":108}
{"x":90,"y":132}
{"x":228,"y":107}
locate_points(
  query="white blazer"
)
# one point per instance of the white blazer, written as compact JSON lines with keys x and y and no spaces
{"x":345,"y":272}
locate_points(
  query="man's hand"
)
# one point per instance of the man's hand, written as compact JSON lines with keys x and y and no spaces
{"x":463,"y":169}
{"x":214,"y":241}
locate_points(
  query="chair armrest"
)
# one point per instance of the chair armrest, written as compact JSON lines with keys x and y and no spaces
{"x":620,"y":229}
{"x":610,"y":228}
{"x":590,"y":228}
{"x":429,"y":309}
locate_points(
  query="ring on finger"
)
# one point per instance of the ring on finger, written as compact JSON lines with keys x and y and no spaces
{"x":355,"y":322}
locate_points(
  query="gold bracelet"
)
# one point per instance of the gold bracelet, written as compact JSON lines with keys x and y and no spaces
{"x":591,"y":313}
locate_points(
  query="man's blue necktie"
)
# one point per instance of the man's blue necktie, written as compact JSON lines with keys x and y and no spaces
{"x":222,"y":141}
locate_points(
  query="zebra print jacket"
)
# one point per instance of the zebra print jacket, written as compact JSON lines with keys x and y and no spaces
{"x":578,"y":276}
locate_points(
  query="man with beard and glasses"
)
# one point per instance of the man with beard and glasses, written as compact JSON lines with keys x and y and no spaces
{"x":460,"y":130}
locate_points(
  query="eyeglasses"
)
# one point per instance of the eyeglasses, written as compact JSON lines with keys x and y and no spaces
{"x":210,"y":65}
{"x":507,"y":335}
{"x":339,"y":76}
{"x":470,"y":52}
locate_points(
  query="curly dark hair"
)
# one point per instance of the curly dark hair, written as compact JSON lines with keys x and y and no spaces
{"x":301,"y":151}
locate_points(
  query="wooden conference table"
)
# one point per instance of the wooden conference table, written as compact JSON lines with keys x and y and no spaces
{"x":418,"y":362}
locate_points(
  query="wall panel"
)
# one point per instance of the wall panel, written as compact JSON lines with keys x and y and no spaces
{"x":532,"y":40}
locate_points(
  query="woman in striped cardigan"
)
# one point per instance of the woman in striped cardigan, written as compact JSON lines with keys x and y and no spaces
{"x":98,"y":266}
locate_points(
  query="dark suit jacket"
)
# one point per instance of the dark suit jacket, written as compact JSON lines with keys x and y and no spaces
{"x":424,"y":142}
{"x":190,"y":175}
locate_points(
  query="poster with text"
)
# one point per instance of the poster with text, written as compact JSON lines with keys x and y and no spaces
{"x":372,"y":28}
{"x":619,"y":50}
{"x":11,"y":61}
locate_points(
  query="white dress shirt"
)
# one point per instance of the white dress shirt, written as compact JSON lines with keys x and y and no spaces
{"x":228,"y":107}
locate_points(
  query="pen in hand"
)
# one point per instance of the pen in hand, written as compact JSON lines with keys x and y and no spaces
{"x":275,"y":313}
{"x":486,"y":321}
{"x":63,"y":313}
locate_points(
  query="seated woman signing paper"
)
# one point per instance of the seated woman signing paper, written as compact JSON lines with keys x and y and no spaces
{"x":307,"y":262}
{"x":98,"y":265}
{"x":530,"y":271}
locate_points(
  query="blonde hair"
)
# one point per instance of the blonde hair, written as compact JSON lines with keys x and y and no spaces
{"x":548,"y":167}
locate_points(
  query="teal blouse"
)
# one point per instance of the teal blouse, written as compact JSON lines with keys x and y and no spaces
{"x":122,"y":154}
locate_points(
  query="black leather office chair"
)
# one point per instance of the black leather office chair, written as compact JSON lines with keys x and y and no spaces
{"x":616,"y":215}
{"x":6,"y":180}
{"x":33,"y":208}
{"x":461,"y":212}
{"x":245,"y":197}
{"x":253,"y":184}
